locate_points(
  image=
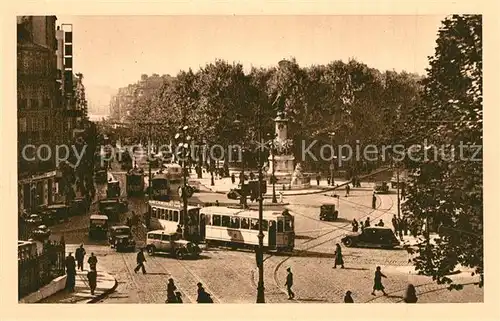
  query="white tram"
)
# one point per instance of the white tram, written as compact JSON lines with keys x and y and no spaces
{"x":236,"y":227}
{"x":167,"y":215}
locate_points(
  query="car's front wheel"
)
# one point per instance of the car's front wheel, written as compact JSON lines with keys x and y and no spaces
{"x":179,"y":254}
{"x":348,"y":242}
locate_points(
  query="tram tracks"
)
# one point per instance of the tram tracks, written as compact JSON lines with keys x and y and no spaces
{"x":336,"y":228}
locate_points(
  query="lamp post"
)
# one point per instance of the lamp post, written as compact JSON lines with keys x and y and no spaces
{"x":273,"y":177}
{"x":260,"y":251}
{"x":184,"y":140}
{"x":332,"y":165}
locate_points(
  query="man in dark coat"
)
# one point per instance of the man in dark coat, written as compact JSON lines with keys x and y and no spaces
{"x":289,"y":284}
{"x":80,"y":255}
{"x":92,"y":261}
{"x":70,"y":272}
{"x":171,"y":297}
{"x":377,"y":281}
{"x":140,"y":262}
{"x":367,"y":222}
{"x":338,"y":256}
{"x":348,"y":297}
{"x":92,"y":277}
{"x":374,"y":201}
{"x":203,"y":296}
{"x":395,"y":224}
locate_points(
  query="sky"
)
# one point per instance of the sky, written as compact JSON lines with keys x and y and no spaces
{"x":115,"y":50}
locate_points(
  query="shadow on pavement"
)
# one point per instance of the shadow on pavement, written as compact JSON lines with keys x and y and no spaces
{"x":311,"y":300}
{"x":357,"y":269}
{"x":303,"y":237}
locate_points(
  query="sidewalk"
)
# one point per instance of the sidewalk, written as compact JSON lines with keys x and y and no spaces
{"x":106,"y":284}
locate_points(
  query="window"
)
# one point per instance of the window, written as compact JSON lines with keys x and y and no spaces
{"x":165,"y":237}
{"x":226,"y":221}
{"x":254,"y":224}
{"x":170,"y":216}
{"x":47,"y":103}
{"x":176,"y":216}
{"x":208,"y":219}
{"x":216,"y":220}
{"x":235,"y":222}
{"x":280,"y":225}
{"x":22,"y":103}
{"x":153,"y":212}
{"x":68,"y":36}
{"x":34,"y":103}
{"x":22,"y":124}
{"x":153,"y":236}
{"x":244,"y":223}
{"x":288,"y":225}
{"x":68,"y":50}
{"x":162,"y":214}
{"x":264,"y":225}
{"x":68,"y":62}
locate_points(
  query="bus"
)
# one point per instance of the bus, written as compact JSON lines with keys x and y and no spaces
{"x":168,"y":215}
{"x":160,"y":186}
{"x":135,"y":182}
{"x":235,"y":227}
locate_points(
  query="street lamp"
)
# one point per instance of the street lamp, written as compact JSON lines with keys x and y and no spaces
{"x":332,"y":165}
{"x":184,"y":140}
{"x":260,"y":252}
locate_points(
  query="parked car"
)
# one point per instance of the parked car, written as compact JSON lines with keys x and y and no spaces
{"x":328,"y":212}
{"x":34,"y":219}
{"x":78,"y":206}
{"x":170,"y":243}
{"x":56,"y":213}
{"x":376,"y":236}
{"x":120,"y":238}
{"x":42,"y":232}
{"x":381,"y":187}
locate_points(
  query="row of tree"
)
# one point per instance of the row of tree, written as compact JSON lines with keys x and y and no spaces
{"x":362,"y":104}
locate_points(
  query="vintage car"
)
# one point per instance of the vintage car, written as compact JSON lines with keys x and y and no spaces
{"x":381,"y":187}
{"x":170,"y":243}
{"x":376,"y":236}
{"x":98,"y":227}
{"x":78,"y":206}
{"x":42,"y":232}
{"x":113,"y":189}
{"x":55,"y":213}
{"x":120,"y":238}
{"x":34,"y":219}
{"x":328,"y":212}
{"x":112,"y":207}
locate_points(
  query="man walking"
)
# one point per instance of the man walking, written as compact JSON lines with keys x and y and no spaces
{"x":92,"y":277}
{"x":377,"y":281}
{"x":374,"y":200}
{"x":70,"y":272}
{"x":289,"y":284}
{"x":140,"y":262}
{"x":347,"y":190}
{"x":80,"y":255}
{"x":92,"y":261}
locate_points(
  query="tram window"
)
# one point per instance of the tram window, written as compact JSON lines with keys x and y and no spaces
{"x":165,"y":237}
{"x":226,"y":220}
{"x":208,"y":219}
{"x":244,"y":223}
{"x":216,"y":220}
{"x":170,"y":215}
{"x":162,"y":214}
{"x":288,"y":225}
{"x":280,"y":226}
{"x":254,"y":224}
{"x":235,"y":222}
{"x":153,"y":212}
{"x":264,"y":225}
{"x":176,"y":216}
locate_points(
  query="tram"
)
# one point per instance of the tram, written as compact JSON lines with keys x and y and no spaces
{"x":168,"y":215}
{"x":135,"y":182}
{"x":174,"y":175}
{"x":236,"y":227}
{"x":160,"y":186}
{"x":113,"y":187}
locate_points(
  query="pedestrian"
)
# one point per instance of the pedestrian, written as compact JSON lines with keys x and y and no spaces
{"x":80,"y":255}
{"x":216,"y":202}
{"x":395,"y":224}
{"x":405,"y":226}
{"x":92,"y":278}
{"x":377,"y":281}
{"x":281,"y":197}
{"x":233,"y":178}
{"x":348,"y":297}
{"x":338,"y":257}
{"x":203,"y":296}
{"x":354,"y":225}
{"x":361,"y":226}
{"x":328,"y":181}
{"x":171,"y":297}
{"x":289,"y":284}
{"x":380,"y":223}
{"x":318,"y":178}
{"x":179,"y":231}
{"x":410,"y":295}
{"x":140,"y":262}
{"x":92,"y":261}
{"x":70,"y":272}
{"x":347,"y":190}
{"x":367,"y":222}
{"x":403,"y":192}
{"x":374,"y":200}
{"x":252,"y":176}
{"x":178,"y":297}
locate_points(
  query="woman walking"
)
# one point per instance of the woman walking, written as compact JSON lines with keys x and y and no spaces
{"x":410,"y":295}
{"x":338,"y":257}
{"x":171,"y":297}
{"x":377,"y":284}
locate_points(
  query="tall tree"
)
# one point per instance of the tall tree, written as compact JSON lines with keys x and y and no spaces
{"x":447,"y":190}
